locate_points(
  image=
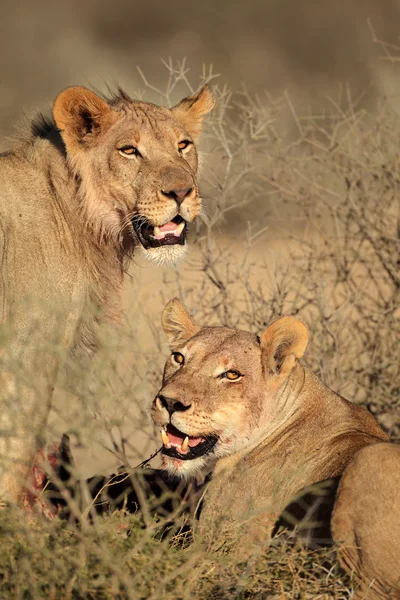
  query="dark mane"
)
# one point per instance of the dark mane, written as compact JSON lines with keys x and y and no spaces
{"x":42,"y":125}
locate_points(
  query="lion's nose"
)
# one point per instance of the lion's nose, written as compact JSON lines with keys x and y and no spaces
{"x":171,"y":404}
{"x":178,"y":194}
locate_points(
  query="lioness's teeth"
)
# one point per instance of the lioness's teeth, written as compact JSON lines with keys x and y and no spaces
{"x":185,"y":444}
{"x":165,"y":438}
{"x":179,"y":228}
{"x":157,"y":232}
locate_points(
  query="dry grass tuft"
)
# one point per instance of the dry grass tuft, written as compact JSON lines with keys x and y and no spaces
{"x":114,"y":558}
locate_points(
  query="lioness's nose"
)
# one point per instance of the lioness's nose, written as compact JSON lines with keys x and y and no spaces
{"x":171,"y":404}
{"x":178,"y":194}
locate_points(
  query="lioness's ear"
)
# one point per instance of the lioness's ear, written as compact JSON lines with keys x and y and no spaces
{"x":282,"y":344}
{"x":178,"y":324}
{"x":191,"y":110}
{"x":80,"y":115}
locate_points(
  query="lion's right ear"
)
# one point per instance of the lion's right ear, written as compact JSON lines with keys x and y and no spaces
{"x":190,"y":111}
{"x":282,"y":344}
{"x":178,"y":324}
{"x":81,"y":115}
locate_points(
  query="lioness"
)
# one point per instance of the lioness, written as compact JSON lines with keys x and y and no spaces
{"x":80,"y":192}
{"x":366,"y":521}
{"x":247,"y":404}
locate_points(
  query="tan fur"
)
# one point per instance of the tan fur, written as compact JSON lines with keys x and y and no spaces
{"x":366,"y":522}
{"x":68,"y":197}
{"x":279,"y":428}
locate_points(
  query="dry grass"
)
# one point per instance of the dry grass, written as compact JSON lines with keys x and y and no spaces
{"x":306,"y":226}
{"x":115,"y":558}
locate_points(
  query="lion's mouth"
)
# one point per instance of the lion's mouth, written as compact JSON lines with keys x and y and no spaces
{"x":177,"y":444}
{"x":151,"y":236}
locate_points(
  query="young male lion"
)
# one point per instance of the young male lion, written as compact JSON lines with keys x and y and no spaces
{"x":247,"y":404}
{"x":79,"y":193}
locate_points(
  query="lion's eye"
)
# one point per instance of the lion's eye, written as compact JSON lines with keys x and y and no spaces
{"x":178,"y":358}
{"x":231,"y":375}
{"x":184,"y":144}
{"x":129,"y":151}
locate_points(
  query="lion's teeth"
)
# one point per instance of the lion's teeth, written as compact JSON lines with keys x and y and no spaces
{"x":157,"y":233}
{"x":185,"y":444}
{"x":165,"y":438}
{"x":179,"y":229}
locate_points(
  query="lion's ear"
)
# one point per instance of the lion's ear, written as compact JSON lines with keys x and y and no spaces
{"x":191,"y":110}
{"x":178,"y":324}
{"x":282,"y":344}
{"x":80,"y":115}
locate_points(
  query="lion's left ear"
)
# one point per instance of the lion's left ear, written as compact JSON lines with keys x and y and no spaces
{"x":178,"y":324}
{"x":190,"y":111}
{"x":282,"y":344}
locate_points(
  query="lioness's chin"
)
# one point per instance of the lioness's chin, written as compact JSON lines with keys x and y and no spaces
{"x":187,"y":469}
{"x":165,"y":255}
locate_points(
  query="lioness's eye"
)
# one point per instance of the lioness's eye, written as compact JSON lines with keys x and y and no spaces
{"x":129,"y":151}
{"x":178,"y":358}
{"x":231,"y":375}
{"x":184,"y":144}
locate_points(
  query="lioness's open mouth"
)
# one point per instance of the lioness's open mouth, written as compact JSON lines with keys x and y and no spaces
{"x":177,"y":444}
{"x":150,"y":236}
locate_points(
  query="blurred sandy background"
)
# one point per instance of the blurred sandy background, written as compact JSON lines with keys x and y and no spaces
{"x":316,"y":51}
{"x":307,"y":47}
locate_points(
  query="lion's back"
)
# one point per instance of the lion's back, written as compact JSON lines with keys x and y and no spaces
{"x":366,"y":519}
{"x":24,"y":190}
{"x":39,"y":262}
